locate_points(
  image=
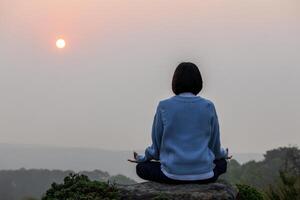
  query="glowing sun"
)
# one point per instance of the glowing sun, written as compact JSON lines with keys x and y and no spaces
{"x":60,"y":43}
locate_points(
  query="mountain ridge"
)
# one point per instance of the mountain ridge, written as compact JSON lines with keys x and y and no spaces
{"x":16,"y":156}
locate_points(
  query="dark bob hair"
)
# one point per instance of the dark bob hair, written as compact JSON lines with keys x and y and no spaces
{"x":187,"y":78}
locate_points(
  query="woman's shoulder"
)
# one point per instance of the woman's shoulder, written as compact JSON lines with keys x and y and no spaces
{"x":165,"y":101}
{"x":208,"y":101}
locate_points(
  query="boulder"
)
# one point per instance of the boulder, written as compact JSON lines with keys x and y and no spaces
{"x":220,"y":190}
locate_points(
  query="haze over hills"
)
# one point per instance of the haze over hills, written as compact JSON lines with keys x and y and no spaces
{"x":16,"y":156}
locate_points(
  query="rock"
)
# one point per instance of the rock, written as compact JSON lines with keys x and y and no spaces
{"x":220,"y":190}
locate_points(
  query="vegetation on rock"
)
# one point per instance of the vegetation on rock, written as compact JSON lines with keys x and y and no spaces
{"x":247,"y":192}
{"x":80,"y":187}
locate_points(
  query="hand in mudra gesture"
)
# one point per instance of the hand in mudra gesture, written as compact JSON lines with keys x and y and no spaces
{"x":135,"y":154}
{"x":228,"y":156}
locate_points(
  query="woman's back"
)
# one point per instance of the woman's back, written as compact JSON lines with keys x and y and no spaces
{"x":189,"y":126}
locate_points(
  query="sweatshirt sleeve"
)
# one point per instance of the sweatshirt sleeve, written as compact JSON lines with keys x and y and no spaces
{"x":152,"y":152}
{"x":214,"y":143}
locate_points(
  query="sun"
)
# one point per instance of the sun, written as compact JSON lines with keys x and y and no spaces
{"x":60,"y":43}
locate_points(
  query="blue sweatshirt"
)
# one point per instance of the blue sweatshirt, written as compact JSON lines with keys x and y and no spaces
{"x":185,"y":138}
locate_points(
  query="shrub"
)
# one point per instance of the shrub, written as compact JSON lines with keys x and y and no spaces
{"x":287,"y":189}
{"x":247,"y":192}
{"x":79,"y":187}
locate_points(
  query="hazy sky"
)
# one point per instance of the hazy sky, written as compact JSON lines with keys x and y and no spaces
{"x":103,"y":88}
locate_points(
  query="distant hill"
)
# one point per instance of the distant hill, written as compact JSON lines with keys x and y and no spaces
{"x":22,"y":183}
{"x":77,"y":159}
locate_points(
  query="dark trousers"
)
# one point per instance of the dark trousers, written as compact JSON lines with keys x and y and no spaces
{"x":151,"y":171}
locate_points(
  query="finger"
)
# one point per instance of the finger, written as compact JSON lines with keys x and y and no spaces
{"x":229,"y":157}
{"x":133,"y":161}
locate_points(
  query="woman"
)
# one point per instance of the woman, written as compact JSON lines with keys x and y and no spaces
{"x":185,"y":135}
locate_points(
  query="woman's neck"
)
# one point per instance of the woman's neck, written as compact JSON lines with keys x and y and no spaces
{"x":186,"y":94}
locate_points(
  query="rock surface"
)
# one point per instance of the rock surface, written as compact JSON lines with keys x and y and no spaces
{"x":220,"y":190}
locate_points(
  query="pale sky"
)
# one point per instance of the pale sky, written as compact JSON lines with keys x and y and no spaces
{"x":102,"y":90}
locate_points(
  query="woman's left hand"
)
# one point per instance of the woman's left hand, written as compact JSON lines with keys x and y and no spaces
{"x":228,"y":157}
